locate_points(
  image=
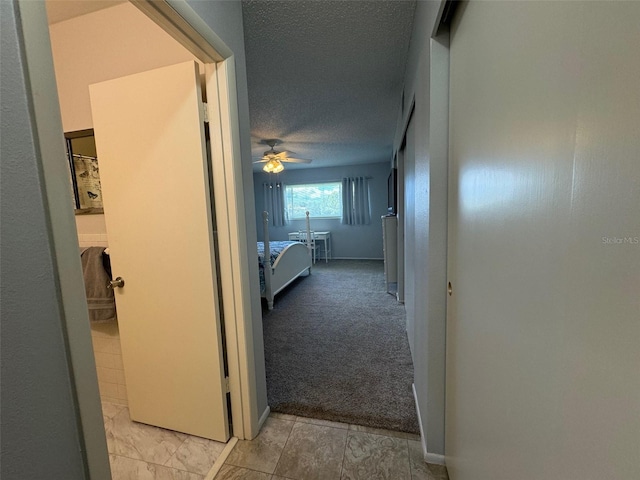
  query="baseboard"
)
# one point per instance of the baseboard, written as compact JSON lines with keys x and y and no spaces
{"x":423,"y":437}
{"x":434,"y":458}
{"x":217,"y":465}
{"x":428,"y":457}
{"x":263,"y":417}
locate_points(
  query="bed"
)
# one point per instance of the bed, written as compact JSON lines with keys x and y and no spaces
{"x":288,"y":261}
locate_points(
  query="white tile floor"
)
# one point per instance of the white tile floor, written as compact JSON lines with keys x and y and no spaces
{"x":287,"y":448}
{"x":299,"y":448}
{"x":138,"y":451}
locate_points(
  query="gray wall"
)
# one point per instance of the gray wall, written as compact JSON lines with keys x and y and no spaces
{"x":348,"y":241}
{"x":425,"y":162}
{"x":544,"y":328}
{"x":225,"y":19}
{"x":40,"y":433}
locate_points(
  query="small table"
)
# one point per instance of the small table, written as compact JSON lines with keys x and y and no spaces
{"x":322,"y":236}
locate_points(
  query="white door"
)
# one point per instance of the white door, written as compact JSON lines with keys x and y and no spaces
{"x":150,"y":138}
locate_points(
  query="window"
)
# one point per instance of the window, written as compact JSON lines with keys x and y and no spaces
{"x":321,"y":200}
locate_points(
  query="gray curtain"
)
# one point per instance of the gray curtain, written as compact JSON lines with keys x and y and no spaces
{"x":274,"y":203}
{"x":355,"y":201}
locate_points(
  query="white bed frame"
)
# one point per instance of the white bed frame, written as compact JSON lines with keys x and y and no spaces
{"x":292,"y":262}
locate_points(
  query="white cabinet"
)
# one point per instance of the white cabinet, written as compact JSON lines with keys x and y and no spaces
{"x":390,"y":251}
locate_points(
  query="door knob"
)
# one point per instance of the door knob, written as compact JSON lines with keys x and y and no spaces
{"x":118,"y":282}
{"x":450,"y":289}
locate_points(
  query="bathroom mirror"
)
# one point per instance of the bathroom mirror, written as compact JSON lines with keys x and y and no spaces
{"x":84,"y":172}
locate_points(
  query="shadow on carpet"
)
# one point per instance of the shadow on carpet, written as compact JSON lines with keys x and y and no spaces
{"x":336,"y":349}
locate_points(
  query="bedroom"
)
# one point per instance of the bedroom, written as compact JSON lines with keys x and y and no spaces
{"x":347,"y":241}
{"x":338,"y":111}
{"x":297,"y":110}
{"x":364,"y":378}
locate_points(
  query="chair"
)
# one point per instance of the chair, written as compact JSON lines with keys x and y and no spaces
{"x":302,"y":237}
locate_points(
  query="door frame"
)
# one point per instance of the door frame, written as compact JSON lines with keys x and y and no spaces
{"x":178,"y":19}
{"x":401,"y":213}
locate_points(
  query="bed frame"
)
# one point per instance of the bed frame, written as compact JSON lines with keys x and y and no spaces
{"x":292,"y":262}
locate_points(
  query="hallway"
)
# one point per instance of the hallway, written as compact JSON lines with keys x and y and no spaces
{"x":298,"y":448}
{"x":288,"y":447}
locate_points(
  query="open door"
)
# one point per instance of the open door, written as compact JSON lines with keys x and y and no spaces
{"x":150,"y":138}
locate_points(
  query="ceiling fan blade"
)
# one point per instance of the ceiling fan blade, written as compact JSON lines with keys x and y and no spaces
{"x":295,"y":160}
{"x":279,"y":156}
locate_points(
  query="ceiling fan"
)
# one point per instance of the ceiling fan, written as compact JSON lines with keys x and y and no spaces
{"x":273,"y":159}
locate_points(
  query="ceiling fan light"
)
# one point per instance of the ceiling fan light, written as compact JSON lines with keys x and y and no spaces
{"x":268,"y":167}
{"x":273,"y":166}
{"x":279,"y":167}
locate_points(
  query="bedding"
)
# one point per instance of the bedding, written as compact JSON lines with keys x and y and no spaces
{"x":275,"y":248}
{"x":288,"y":261}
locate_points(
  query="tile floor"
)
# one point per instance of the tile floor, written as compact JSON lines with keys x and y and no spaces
{"x":143,"y":452}
{"x":287,"y":448}
{"x":299,"y":448}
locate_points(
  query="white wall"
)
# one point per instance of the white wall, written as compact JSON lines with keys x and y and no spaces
{"x":347,"y":241}
{"x":91,"y":225}
{"x":104,"y":45}
{"x":542,"y":371}
{"x":425,"y":162}
{"x":99,"y":46}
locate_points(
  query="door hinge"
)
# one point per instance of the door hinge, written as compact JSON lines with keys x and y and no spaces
{"x":206,"y":112}
{"x":227,"y":389}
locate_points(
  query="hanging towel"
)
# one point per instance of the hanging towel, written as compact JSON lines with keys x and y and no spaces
{"x":100,"y":299}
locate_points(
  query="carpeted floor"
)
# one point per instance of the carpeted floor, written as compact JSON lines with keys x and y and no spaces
{"x":336,"y":348}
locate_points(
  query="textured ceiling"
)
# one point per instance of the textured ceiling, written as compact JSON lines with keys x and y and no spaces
{"x":326,"y":77}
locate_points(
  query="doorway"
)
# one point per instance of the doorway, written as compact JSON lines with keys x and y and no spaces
{"x":246,"y":419}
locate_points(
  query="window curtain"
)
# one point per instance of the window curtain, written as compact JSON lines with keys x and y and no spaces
{"x":355,"y":201}
{"x":274,"y":203}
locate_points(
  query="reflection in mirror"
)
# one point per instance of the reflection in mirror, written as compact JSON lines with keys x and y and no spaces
{"x":85,"y":175}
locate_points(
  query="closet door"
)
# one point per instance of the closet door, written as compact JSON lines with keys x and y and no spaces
{"x":150,"y":138}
